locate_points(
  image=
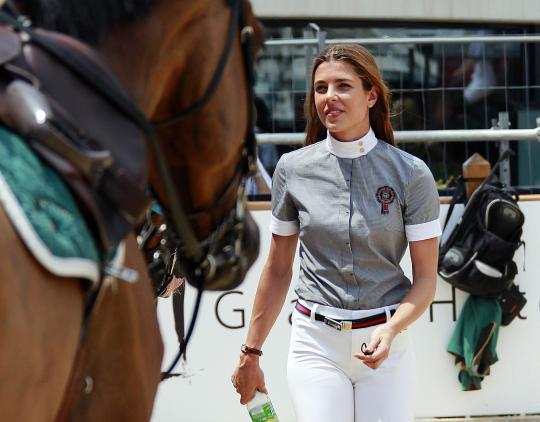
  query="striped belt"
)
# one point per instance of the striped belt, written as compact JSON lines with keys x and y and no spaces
{"x":341,"y":324}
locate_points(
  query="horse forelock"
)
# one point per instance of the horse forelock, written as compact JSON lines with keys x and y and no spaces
{"x":88,"y":21}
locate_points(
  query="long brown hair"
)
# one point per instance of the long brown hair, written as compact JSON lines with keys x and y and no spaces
{"x":366,"y":68}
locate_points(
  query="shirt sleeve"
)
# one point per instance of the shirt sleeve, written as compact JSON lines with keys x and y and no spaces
{"x":284,"y":221}
{"x":421,"y":215}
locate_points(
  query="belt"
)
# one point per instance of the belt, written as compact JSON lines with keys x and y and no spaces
{"x":341,"y":324}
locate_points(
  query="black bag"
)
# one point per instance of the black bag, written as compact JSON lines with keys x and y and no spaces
{"x":476,"y":254}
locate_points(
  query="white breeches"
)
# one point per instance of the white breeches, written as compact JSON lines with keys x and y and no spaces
{"x":328,"y":384}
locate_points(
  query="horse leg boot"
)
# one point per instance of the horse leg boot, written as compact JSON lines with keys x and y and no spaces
{"x":123,"y":351}
{"x":40,"y":323}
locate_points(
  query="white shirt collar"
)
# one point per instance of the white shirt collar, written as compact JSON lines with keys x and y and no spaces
{"x":351,"y":149}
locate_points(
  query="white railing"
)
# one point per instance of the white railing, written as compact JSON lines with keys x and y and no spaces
{"x":321,"y":37}
{"x":412,"y":136}
{"x":499,"y":133}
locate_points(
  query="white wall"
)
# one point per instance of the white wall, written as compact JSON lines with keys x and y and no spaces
{"x":205,"y":393}
{"x":409,"y":10}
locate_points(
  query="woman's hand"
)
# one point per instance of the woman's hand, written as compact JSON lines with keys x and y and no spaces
{"x":379,"y":347}
{"x":248,"y":377}
{"x":424,"y":255}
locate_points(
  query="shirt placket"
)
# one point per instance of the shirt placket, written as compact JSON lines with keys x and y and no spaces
{"x":348,"y":268}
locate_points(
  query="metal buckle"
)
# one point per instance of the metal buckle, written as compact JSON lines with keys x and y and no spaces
{"x":122,"y":273}
{"x":346,"y":325}
{"x":343,"y":325}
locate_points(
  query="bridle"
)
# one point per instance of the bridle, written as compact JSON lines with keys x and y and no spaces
{"x":199,"y":260}
{"x":178,"y":252}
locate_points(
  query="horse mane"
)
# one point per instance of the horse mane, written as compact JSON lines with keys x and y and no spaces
{"x":87,"y":20}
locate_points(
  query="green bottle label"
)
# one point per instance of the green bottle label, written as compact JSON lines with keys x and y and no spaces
{"x":264,"y":413}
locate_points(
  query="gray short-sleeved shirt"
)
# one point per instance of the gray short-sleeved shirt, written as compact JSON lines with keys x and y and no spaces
{"x":355,"y":204}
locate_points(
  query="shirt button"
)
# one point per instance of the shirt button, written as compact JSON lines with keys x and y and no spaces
{"x":362,"y":150}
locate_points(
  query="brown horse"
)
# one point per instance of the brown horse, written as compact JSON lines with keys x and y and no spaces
{"x":165,"y":53}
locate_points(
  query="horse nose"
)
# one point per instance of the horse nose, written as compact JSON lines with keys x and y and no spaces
{"x":231,"y":274}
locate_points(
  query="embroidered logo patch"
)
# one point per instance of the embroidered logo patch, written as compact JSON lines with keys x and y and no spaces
{"x":385,"y":196}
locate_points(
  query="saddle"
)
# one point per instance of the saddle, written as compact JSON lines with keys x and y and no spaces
{"x":94,"y":145}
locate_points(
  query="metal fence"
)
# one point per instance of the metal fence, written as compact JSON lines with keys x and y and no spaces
{"x":445,"y":89}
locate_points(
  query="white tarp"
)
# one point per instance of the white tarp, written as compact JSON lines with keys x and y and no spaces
{"x":205,"y":393}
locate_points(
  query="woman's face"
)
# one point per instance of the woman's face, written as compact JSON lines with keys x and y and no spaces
{"x":341,"y":101}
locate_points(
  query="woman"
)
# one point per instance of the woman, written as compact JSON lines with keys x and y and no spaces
{"x":355,"y":201}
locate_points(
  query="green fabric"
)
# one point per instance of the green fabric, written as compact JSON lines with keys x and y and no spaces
{"x":45,"y":199}
{"x":474,"y":340}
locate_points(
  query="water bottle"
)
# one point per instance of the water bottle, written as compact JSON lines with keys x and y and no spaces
{"x":260,"y":408}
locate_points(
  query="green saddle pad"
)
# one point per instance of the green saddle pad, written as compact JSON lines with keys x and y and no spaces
{"x":44,"y":213}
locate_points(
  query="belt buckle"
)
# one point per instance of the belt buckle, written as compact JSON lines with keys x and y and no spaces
{"x":343,"y":325}
{"x":346,"y":325}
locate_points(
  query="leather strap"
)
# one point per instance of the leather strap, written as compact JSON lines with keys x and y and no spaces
{"x":74,"y":383}
{"x":250,"y":350}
